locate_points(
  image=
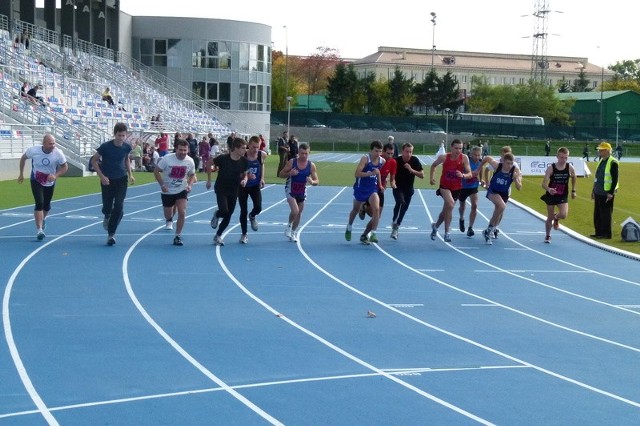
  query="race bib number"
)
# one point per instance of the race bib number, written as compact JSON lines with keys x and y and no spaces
{"x":178,"y":172}
{"x":559,"y":187}
{"x":41,"y":178}
{"x":297,"y":187}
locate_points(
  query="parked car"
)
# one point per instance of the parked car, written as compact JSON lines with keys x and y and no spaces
{"x":359,"y":125}
{"x":383,"y":125}
{"x":276,"y":122}
{"x":405,"y":127}
{"x":338,"y":124}
{"x":431,"y":127}
{"x":311,"y":122}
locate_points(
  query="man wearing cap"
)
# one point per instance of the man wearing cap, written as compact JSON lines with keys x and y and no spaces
{"x":605,"y":186}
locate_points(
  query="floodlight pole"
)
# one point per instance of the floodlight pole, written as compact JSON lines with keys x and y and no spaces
{"x":433,"y":38}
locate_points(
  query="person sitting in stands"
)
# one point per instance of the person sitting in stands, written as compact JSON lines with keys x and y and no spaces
{"x":107,"y":96}
{"x":33,"y":95}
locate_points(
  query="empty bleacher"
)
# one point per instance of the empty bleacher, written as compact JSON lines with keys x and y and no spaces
{"x":72,"y":78}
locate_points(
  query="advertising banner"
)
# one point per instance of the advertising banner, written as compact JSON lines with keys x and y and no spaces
{"x":536,"y":166}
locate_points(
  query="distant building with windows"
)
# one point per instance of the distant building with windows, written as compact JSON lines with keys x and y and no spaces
{"x":227,"y":63}
{"x":497,"y":68}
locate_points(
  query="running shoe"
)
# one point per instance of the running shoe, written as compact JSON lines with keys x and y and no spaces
{"x":394,"y":231}
{"x":364,"y":240}
{"x":254,"y":223}
{"x":462,"y":228}
{"x":168,"y":226}
{"x":177,"y":241}
{"x":105,"y":223}
{"x":547,"y":239}
{"x":362,"y":213}
{"x":294,"y":236}
{"x":217,"y":240}
{"x":447,"y":237}
{"x":244,"y":239}
{"x":347,"y":235}
{"x":470,"y":232}
{"x":40,"y":235}
{"x":373,"y":238}
{"x":288,"y":231}
{"x":556,"y":224}
{"x":496,"y":231}
{"x":111,"y":240}
{"x":434,"y":231}
{"x":214,"y":220}
{"x":487,"y":236}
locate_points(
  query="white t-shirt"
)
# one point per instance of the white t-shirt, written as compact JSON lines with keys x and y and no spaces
{"x":43,"y":164}
{"x":175,"y":173}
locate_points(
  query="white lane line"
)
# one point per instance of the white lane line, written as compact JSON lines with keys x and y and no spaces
{"x":174,"y":344}
{"x":542,"y":284}
{"x":395,"y":371}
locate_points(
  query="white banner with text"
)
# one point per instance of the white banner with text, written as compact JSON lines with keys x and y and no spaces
{"x":537,"y":166}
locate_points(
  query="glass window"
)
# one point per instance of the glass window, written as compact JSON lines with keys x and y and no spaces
{"x":146,"y":60}
{"x":224,"y":55}
{"x":160,"y":47}
{"x":198,"y":88}
{"x":224,"y":95}
{"x":212,"y":48}
{"x":160,"y":61}
{"x":244,"y":56}
{"x":146,"y":46}
{"x":212,"y":91}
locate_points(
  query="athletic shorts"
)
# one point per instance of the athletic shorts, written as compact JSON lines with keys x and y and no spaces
{"x":466,"y":193}
{"x":455,"y":194}
{"x":553,"y":200}
{"x":503,"y":195}
{"x":361,"y":194}
{"x":169,"y":200}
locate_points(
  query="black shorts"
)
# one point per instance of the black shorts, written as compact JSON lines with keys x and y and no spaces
{"x":169,"y":200}
{"x":553,"y":200}
{"x":455,"y":194}
{"x":503,"y":195}
{"x":466,"y":192}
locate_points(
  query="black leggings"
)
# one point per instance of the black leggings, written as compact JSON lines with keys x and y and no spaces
{"x":243,"y":198}
{"x":226,"y":206}
{"x":113,"y":201}
{"x":42,"y":196}
{"x":403,"y":199}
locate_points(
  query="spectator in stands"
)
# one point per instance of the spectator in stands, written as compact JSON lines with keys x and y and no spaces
{"x":215,"y":148}
{"x":263,"y":143}
{"x":24,"y":39}
{"x":24,"y":89}
{"x":204,"y":151}
{"x":293,"y":147}
{"x":162,"y":144}
{"x":283,"y":150}
{"x":230,"y":139}
{"x":108,"y":96}
{"x":136,"y":155}
{"x":33,"y":95}
{"x":193,"y":149}
{"x":150,"y":160}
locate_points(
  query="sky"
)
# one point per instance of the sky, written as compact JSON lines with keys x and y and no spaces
{"x":604,"y":32}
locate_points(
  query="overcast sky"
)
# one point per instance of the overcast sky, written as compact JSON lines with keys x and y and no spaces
{"x":605,"y":32}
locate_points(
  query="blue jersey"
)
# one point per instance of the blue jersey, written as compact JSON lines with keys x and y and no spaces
{"x":255,"y":168}
{"x":296,"y":186}
{"x":473,"y":182}
{"x":501,"y":180}
{"x":113,"y":159}
{"x":369,"y":183}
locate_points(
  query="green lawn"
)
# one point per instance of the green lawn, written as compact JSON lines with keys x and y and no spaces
{"x":627,"y":202}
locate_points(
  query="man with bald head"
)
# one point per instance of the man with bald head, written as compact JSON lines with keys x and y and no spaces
{"x":48,"y":163}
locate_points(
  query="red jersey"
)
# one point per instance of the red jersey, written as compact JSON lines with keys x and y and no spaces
{"x":389,"y":168}
{"x":448,"y":179}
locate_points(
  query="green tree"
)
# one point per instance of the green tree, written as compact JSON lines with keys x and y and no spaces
{"x":401,"y":95}
{"x":581,"y":84}
{"x":342,"y":86}
{"x":524,"y":99}
{"x":425,"y":92}
{"x":448,"y":92}
{"x":628,"y":69}
{"x":564,"y":86}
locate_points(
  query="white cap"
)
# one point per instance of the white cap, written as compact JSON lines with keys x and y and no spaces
{"x":391,"y":138}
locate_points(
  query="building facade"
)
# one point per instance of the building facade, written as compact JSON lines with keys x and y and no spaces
{"x":497,"y":68}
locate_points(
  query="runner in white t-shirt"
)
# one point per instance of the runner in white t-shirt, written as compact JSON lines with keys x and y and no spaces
{"x":47,"y":164}
{"x":176,"y":173}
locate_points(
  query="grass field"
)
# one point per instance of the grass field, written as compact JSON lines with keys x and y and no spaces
{"x":627,"y":202}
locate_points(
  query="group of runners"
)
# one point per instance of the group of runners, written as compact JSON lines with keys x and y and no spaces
{"x":240,"y":176}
